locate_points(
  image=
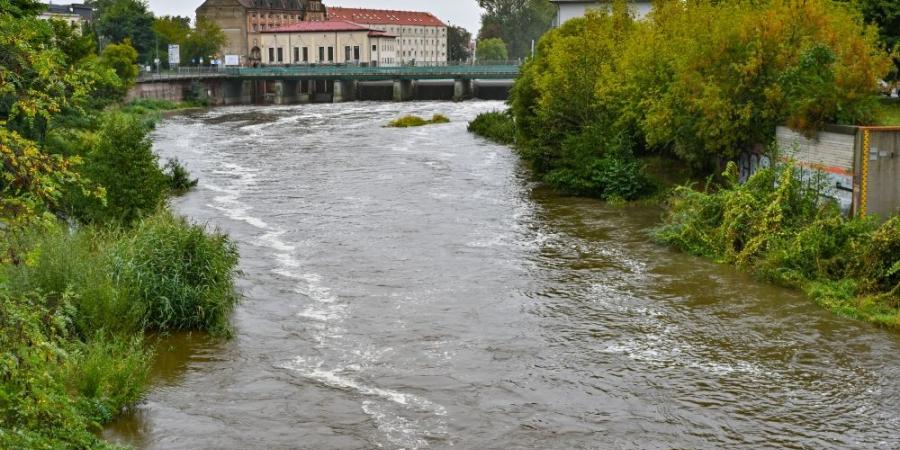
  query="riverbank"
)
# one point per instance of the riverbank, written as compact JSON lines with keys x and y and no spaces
{"x":778,"y":231}
{"x":78,"y":299}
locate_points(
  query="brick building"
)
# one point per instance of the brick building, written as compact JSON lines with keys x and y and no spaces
{"x":244,"y":21}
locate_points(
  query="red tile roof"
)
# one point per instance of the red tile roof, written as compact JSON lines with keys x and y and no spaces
{"x":384,"y":16}
{"x":317,"y":26}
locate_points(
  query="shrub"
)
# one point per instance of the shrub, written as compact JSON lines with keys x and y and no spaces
{"x":124,"y":164}
{"x":180,"y":181}
{"x":496,"y":126}
{"x":76,"y":265}
{"x":415,"y":121}
{"x":181,"y":277}
{"x":777,"y":226}
{"x":35,"y":409}
{"x":108,"y":374}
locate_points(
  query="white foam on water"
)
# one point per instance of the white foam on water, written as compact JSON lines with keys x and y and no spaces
{"x":388,"y":408}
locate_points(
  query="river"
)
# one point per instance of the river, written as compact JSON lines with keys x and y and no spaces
{"x":412,"y":288}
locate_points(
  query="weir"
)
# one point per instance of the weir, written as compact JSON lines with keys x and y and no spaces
{"x":327,"y":84}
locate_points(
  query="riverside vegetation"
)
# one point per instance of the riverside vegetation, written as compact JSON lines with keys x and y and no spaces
{"x":694,"y":85}
{"x":416,"y":121}
{"x":91,"y":260}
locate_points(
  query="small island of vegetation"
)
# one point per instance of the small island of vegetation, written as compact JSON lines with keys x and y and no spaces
{"x":416,"y":121}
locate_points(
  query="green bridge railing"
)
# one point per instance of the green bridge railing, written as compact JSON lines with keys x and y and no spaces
{"x":505,"y":70}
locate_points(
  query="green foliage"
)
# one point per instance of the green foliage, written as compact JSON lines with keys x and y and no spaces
{"x":886,"y":15}
{"x":181,"y":277}
{"x":204,"y":41}
{"x":493,"y":49}
{"x":122,"y":58}
{"x":515,"y":22}
{"x":458,"y":39}
{"x":415,"y":121}
{"x":698,"y":81}
{"x":777,"y":226}
{"x":180,"y":181}
{"x":122,"y":161}
{"x":119,"y":20}
{"x":495,"y":125}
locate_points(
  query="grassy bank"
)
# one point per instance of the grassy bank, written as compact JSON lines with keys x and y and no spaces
{"x":416,"y":121}
{"x":777,"y":227}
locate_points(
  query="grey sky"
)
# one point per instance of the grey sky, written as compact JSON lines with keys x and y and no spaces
{"x":456,"y":12}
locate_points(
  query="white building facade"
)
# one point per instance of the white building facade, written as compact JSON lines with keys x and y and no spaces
{"x":328,"y":42}
{"x":570,"y":9}
{"x":421,"y":37}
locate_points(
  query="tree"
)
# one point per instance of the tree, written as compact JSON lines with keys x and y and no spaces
{"x":517,"y":22}
{"x":171,"y":30}
{"x":458,"y":40}
{"x":128,"y":19}
{"x":123,"y":162}
{"x":123,"y":59}
{"x":491,"y":50}
{"x":886,"y":15}
{"x":204,"y":41}
{"x":22,"y":8}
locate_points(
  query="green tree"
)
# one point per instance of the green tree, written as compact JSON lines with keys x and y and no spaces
{"x":122,"y":58}
{"x":517,"y":22}
{"x":491,"y":50}
{"x":123,"y":162}
{"x":128,"y":19}
{"x":171,"y":30}
{"x":19,"y":9}
{"x":458,"y":40}
{"x":886,"y":15}
{"x":204,"y":41}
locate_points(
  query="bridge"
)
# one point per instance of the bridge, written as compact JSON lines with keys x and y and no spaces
{"x":325,"y":83}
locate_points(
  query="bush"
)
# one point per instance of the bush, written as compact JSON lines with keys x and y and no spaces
{"x":415,"y":121}
{"x":36,"y":410}
{"x":76,"y":265}
{"x":496,"y":126}
{"x":777,"y":226}
{"x":180,"y":181}
{"x":181,"y":277}
{"x":122,"y":161}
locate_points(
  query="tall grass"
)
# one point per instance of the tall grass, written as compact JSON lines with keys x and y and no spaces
{"x":497,"y":126}
{"x":777,"y":226}
{"x":177,"y":274}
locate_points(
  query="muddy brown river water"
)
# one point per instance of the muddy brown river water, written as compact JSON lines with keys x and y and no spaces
{"x":414,"y":289}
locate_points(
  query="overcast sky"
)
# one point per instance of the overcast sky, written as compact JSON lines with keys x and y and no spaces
{"x":454,"y":12}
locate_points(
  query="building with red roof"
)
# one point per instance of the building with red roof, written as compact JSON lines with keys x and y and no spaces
{"x":421,"y":37}
{"x":328,"y":42}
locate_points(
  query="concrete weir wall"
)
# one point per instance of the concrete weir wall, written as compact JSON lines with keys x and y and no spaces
{"x":292,"y":91}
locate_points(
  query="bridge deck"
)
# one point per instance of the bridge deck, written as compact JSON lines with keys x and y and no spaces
{"x":482,"y":72}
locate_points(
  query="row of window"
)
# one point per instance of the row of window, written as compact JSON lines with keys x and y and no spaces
{"x":301,"y":54}
{"x":421,"y":41}
{"x":423,"y":54}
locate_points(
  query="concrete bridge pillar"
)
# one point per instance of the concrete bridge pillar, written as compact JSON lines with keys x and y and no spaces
{"x":403,"y":90}
{"x":462,"y":89}
{"x":345,"y":90}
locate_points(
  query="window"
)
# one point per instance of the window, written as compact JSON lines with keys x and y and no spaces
{"x":374,"y":48}
{"x":280,"y":54}
{"x":330,"y":54}
{"x":356,"y":53}
{"x":305,"y":54}
{"x":347,"y":53}
{"x":296,"y":54}
{"x":321,"y":54}
{"x":271,"y":54}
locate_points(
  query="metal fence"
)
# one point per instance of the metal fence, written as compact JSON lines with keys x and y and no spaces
{"x":484,"y":69}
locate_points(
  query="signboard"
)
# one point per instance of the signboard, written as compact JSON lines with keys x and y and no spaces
{"x":174,"y":54}
{"x":232,"y":60}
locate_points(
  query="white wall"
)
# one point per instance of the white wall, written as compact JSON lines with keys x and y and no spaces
{"x":569,"y":11}
{"x":385,"y":50}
